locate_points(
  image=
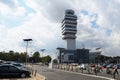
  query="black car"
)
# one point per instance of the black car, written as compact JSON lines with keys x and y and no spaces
{"x":7,"y":70}
{"x":18,"y":65}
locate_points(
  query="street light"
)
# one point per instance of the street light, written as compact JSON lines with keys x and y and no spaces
{"x":26,"y":40}
{"x":42,"y":52}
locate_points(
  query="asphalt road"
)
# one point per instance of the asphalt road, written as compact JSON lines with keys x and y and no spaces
{"x":52,"y":74}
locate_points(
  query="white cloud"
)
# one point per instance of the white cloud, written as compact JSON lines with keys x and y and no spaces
{"x":44,"y":26}
{"x":12,"y":9}
{"x":44,"y":34}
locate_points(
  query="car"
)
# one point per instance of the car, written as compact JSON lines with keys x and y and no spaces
{"x":82,"y":66}
{"x":7,"y":70}
{"x":110,"y":66}
{"x":104,"y":65}
{"x":118,"y":66}
{"x":18,"y":65}
{"x":8,"y":62}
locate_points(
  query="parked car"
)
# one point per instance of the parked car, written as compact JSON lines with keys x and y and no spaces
{"x":7,"y":70}
{"x":104,"y":65}
{"x":110,"y":66}
{"x":18,"y":65}
{"x":8,"y":62}
{"x":118,"y":66}
{"x":82,"y":66}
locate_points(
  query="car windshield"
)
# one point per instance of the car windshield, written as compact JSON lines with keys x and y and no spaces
{"x":19,"y":65}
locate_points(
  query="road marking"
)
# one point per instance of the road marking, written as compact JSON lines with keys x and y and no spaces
{"x":86,"y":74}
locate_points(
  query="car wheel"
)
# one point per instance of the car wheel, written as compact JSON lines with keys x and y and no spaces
{"x":23,"y":75}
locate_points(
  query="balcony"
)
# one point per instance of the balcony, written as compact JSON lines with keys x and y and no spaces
{"x":69,"y":37}
{"x":69,"y":21}
{"x":71,"y":16}
{"x":67,"y":25}
{"x":69,"y":32}
{"x":69,"y":28}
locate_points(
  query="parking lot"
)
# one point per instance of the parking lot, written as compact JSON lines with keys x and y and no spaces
{"x":18,"y":71}
{"x":37,"y":77}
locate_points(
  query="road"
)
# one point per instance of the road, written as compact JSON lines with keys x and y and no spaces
{"x":52,"y":74}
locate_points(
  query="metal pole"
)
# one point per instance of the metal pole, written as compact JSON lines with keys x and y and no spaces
{"x":26,"y":53}
{"x":27,"y":40}
{"x":42,"y":52}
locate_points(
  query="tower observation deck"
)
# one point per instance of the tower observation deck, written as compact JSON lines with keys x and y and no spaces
{"x":69,"y":29}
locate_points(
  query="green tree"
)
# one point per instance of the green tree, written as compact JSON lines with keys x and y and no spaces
{"x":36,"y":57}
{"x":22,"y":57}
{"x":10,"y":56}
{"x":46,"y":59}
{"x":55,"y":61}
{"x":17,"y":57}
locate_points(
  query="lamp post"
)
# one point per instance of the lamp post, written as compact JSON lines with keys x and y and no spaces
{"x":27,"y":41}
{"x":42,"y":52}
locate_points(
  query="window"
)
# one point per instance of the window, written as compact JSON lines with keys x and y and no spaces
{"x":71,"y":57}
{"x":3,"y":68}
{"x":12,"y":68}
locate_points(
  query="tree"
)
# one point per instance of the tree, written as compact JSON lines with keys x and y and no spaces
{"x":22,"y":57}
{"x":55,"y":61}
{"x":36,"y":57}
{"x":16,"y":57}
{"x":10,"y":56}
{"x":46,"y":59}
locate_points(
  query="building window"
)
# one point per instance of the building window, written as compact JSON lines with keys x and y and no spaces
{"x":70,"y":57}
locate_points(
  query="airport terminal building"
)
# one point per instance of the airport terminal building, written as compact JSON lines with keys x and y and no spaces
{"x":70,"y":54}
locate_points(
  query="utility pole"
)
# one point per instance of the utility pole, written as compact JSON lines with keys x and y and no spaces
{"x":27,"y":41}
{"x":42,"y":52}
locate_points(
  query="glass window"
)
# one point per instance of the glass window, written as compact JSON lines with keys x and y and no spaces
{"x":12,"y":68}
{"x":70,"y":57}
{"x":4,"y":68}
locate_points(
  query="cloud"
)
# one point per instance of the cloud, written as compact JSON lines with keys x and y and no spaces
{"x":52,"y":9}
{"x":44,"y":34}
{"x":98,"y":24}
{"x":10,"y":3}
{"x":11,"y":8}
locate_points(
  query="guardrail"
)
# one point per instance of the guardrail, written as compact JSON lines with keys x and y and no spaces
{"x":68,"y":67}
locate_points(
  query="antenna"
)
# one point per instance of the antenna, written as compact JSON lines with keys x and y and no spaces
{"x":83,"y":46}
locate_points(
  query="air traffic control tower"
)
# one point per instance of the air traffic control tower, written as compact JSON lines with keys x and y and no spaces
{"x":69,"y":31}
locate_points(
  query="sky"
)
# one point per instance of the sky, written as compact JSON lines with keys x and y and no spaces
{"x":40,"y":20}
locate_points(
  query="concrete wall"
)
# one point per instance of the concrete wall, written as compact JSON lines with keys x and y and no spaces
{"x":70,"y":44}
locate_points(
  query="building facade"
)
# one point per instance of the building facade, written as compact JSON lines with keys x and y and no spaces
{"x":94,"y":56}
{"x":82,"y":56}
{"x":79,"y":56}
